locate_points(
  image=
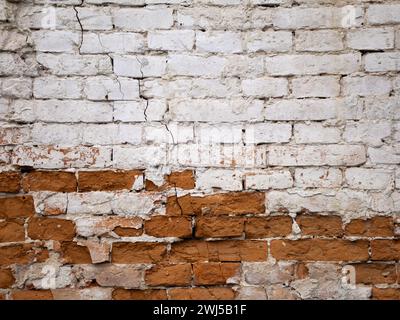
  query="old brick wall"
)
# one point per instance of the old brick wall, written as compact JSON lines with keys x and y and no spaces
{"x":187,"y":149}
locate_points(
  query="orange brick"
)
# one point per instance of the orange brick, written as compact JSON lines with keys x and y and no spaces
{"x":107,"y":180}
{"x":328,"y":226}
{"x":219,"y":227}
{"x":73,"y":253}
{"x":15,"y":207}
{"x":320,"y":250}
{"x":214,"y":273}
{"x":241,"y":250}
{"x":51,"y":229}
{"x":376,"y":273}
{"x":164,"y":226}
{"x":10,"y":181}
{"x":237,"y":203}
{"x":127,"y":232}
{"x":183,"y":179}
{"x":385,"y":249}
{"x":124,"y":294}
{"x":6,"y":278}
{"x":265,"y":227}
{"x":201,"y":294}
{"x":12,"y":230}
{"x":57,"y":181}
{"x":138,"y":252}
{"x":386,"y":294}
{"x":32,"y":295}
{"x":169,"y":275}
{"x":21,"y":254}
{"x":375,"y":227}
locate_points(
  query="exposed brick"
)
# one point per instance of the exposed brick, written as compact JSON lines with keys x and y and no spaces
{"x":12,"y":230}
{"x":329,"y":226}
{"x":49,"y":181}
{"x":127,"y":232}
{"x":161,"y":226}
{"x":201,"y":294}
{"x":73,"y":253}
{"x":385,"y":249}
{"x":6,"y":278}
{"x":320,"y":250}
{"x":15,"y":207}
{"x":219,"y":204}
{"x":266,"y":227}
{"x":224,"y":251}
{"x":169,"y":275}
{"x":21,"y":254}
{"x":376,"y":273}
{"x":374,"y":227}
{"x":139,"y":252}
{"x":214,"y":273}
{"x":106,"y":180}
{"x":10,"y":181}
{"x":51,"y":229}
{"x":31,"y":295}
{"x":123,"y":294}
{"x":386,"y":294}
{"x":219,"y":227}
{"x":183,"y":179}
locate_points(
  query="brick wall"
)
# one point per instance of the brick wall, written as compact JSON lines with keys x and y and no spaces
{"x":199,"y":149}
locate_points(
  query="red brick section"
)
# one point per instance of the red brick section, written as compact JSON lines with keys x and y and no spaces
{"x":21,"y":254}
{"x":162,"y":226}
{"x":10,"y":182}
{"x":180,"y":179}
{"x":328,"y":226}
{"x":49,"y":181}
{"x":107,"y":180}
{"x":218,"y":204}
{"x":320,"y":250}
{"x":386,"y":294}
{"x":169,"y":275}
{"x":385,"y":250}
{"x":6,"y":278}
{"x":73,"y":253}
{"x":124,"y":294}
{"x":268,"y":227}
{"x":32,"y":295}
{"x":138,"y":252}
{"x":51,"y":229}
{"x":214,"y":273}
{"x":16,"y":207}
{"x":12,"y":230}
{"x":375,"y":227}
{"x":377,"y":273}
{"x":211,"y":293}
{"x":219,"y":227}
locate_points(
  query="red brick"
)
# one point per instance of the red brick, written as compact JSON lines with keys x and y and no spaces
{"x":320,"y":250}
{"x":328,"y":226}
{"x":51,"y":229}
{"x":21,"y":254}
{"x":107,"y":180}
{"x":57,"y":181}
{"x":72,"y":253}
{"x":138,"y":252}
{"x":214,"y":273}
{"x":386,"y":294}
{"x":201,"y":294}
{"x":32,"y":295}
{"x":12,"y":230}
{"x":376,"y":273}
{"x":375,"y":227}
{"x":243,"y":250}
{"x":169,"y":275}
{"x":164,"y":226}
{"x":385,"y":250}
{"x":6,"y":278}
{"x":124,"y":294}
{"x":15,"y":207}
{"x":266,"y":227}
{"x":219,"y":227}
{"x":10,"y":181}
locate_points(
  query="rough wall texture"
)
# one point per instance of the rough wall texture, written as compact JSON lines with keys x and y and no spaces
{"x":186,"y":149}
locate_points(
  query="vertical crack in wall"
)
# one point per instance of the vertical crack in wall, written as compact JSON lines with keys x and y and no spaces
{"x":80,"y":24}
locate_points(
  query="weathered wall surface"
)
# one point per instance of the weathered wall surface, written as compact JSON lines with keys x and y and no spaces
{"x":187,"y":149}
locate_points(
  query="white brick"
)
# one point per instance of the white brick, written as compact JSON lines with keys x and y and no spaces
{"x":313,"y":64}
{"x":317,"y":86}
{"x":168,"y":133}
{"x":265,"y":87}
{"x":61,"y":111}
{"x":187,"y":65}
{"x":140,"y":66}
{"x":398,"y":179}
{"x":13,"y":65}
{"x":65,"y":64}
{"x":268,"y":133}
{"x":318,"y":40}
{"x":134,"y":204}
{"x":270,"y":179}
{"x":307,"y":109}
{"x":103,"y":88}
{"x":96,"y":203}
{"x":57,"y":88}
{"x":369,"y":132}
{"x":371,"y":39}
{"x":385,"y":61}
{"x":383,"y":14}
{"x":333,"y":155}
{"x":64,"y":134}
{"x":219,"y":41}
{"x":16,"y":87}
{"x":174,"y":40}
{"x":316,"y":133}
{"x":139,"y":156}
{"x":61,"y":157}
{"x":95,"y":18}
{"x":111,"y":134}
{"x":269,"y":41}
{"x":229,"y":180}
{"x":382,"y":108}
{"x":384,"y":155}
{"x":117,"y":42}
{"x":366,"y":85}
{"x":134,"y":111}
{"x":55,"y":41}
{"x":194,"y":88}
{"x":216,"y":110}
{"x":13,"y":135}
{"x":12,"y":40}
{"x":360,"y":178}
{"x":221,"y":133}
{"x":318,"y":178}
{"x":313,"y":18}
{"x":142,"y":19}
